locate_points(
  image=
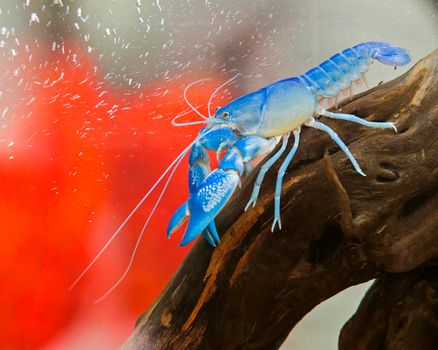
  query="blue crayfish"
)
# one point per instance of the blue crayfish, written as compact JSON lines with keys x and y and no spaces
{"x":251,"y":127}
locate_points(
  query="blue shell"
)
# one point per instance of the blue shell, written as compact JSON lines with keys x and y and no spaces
{"x":339,"y":71}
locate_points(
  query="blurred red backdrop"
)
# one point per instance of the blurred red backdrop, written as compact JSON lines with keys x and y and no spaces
{"x":76,"y":155}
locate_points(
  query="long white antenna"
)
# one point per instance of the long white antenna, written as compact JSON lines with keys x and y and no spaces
{"x":140,"y":236}
{"x":187,"y":100}
{"x":216,"y":91}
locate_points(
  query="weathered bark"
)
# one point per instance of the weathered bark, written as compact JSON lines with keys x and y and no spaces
{"x":339,"y":228}
{"x":399,"y":312}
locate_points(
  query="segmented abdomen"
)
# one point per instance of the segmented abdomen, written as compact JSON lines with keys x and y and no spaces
{"x":339,"y":71}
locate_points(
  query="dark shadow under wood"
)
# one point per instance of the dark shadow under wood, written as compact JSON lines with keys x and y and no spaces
{"x":250,"y":291}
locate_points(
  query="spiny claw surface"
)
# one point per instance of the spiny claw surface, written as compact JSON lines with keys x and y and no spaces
{"x":207,"y":202}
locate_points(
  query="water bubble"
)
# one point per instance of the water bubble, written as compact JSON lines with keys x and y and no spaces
{"x":34,"y":18}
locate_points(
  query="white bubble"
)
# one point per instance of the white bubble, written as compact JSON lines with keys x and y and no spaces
{"x":34,"y":18}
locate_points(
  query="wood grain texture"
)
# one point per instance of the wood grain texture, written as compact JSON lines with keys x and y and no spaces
{"x":339,"y":228}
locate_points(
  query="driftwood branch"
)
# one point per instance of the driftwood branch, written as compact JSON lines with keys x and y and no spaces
{"x":339,"y":229}
{"x":400,"y":312}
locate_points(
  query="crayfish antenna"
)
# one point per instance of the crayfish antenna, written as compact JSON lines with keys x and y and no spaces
{"x":133,"y":211}
{"x":140,"y":236}
{"x":175,"y":122}
{"x":187,"y":100}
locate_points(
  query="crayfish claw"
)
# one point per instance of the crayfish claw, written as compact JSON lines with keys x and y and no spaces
{"x":208,"y":200}
{"x":209,"y":237}
{"x":180,"y":215}
{"x":213,"y":231}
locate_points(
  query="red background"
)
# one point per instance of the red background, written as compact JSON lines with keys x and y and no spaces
{"x":76,"y":156}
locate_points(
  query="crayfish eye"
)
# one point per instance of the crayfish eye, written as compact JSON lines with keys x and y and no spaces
{"x":226,"y":115}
